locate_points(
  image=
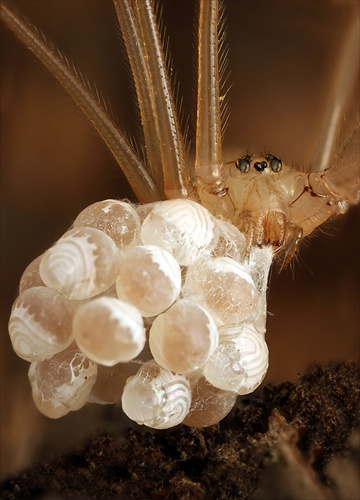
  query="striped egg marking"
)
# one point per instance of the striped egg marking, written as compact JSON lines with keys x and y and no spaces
{"x":175,"y":403}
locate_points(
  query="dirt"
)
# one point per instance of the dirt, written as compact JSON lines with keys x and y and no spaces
{"x":289,"y":441}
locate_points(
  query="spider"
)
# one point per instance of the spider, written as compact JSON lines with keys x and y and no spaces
{"x":210,"y":188}
{"x":272,"y":206}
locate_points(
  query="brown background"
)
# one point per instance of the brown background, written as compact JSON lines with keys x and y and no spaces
{"x":53,"y":164}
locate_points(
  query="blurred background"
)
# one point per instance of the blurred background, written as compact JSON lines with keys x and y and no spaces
{"x":53,"y":164}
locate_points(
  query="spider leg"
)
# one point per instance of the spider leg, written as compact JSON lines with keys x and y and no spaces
{"x":148,"y":62}
{"x":343,"y":177}
{"x":135,"y":172}
{"x":345,"y":78}
{"x":208,"y":162}
{"x":211,"y":180}
{"x":131,"y":30}
{"x":334,"y":181}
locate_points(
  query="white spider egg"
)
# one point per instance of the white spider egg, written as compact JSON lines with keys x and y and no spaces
{"x":31,"y":276}
{"x":231,"y":243}
{"x":156,"y":397}
{"x":40,"y":324}
{"x":117,"y":219}
{"x":109,"y":331}
{"x":209,"y":404}
{"x":224,"y":288}
{"x":183,"y":337}
{"x":62,"y":383}
{"x":81,"y":264}
{"x":182,"y":227}
{"x":240,"y":361}
{"x":149,"y":278}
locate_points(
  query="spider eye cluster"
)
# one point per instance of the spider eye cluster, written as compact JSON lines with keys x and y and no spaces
{"x":152,"y":306}
{"x":244,"y":163}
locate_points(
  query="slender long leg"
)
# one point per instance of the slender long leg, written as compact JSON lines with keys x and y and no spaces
{"x":208,"y":163}
{"x":343,"y":176}
{"x":135,"y":172}
{"x":131,"y":29}
{"x":343,"y":83}
{"x":177,"y":181}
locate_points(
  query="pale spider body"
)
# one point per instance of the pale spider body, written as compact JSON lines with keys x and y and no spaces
{"x":278,"y":208}
{"x":270,"y":206}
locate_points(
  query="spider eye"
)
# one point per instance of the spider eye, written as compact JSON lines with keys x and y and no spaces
{"x":275,"y":163}
{"x":260,"y":165}
{"x":243,"y":163}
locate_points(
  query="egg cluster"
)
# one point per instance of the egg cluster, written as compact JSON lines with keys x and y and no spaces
{"x":155,"y":306}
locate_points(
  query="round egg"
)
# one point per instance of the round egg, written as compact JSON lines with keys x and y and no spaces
{"x":109,"y":331}
{"x":149,"y":278}
{"x":231,"y":243}
{"x":182,"y":227}
{"x":156,"y":397}
{"x":224,"y":287}
{"x":183,"y":337}
{"x":62,"y":383}
{"x":31,"y":276}
{"x":40,"y":323}
{"x":240,"y":361}
{"x":118,"y":219}
{"x":81,"y":264}
{"x":209,"y":404}
{"x":143,"y":209}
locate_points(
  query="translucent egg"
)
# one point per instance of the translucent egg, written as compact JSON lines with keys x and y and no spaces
{"x":182,"y":227}
{"x":182,"y":338}
{"x":81,"y":264}
{"x":231,"y":243}
{"x":62,"y":383}
{"x":109,"y":331}
{"x":118,"y":219}
{"x":148,"y":278}
{"x":224,"y":288}
{"x":31,"y":276}
{"x":240,"y":361}
{"x":209,"y":404}
{"x":156,"y":397}
{"x":110,"y":382}
{"x":143,"y":210}
{"x":40,"y":323}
